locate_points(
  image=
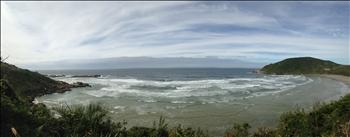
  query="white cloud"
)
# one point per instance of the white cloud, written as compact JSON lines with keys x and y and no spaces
{"x":48,"y":31}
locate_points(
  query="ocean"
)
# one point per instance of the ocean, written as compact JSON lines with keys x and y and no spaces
{"x":210,"y":98}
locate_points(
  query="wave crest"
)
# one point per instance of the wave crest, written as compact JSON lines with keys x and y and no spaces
{"x":212,"y":90}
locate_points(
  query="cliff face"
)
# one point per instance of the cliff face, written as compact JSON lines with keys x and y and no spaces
{"x":28,"y":84}
{"x":306,"y":65}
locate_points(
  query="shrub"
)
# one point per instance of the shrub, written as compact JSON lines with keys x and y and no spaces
{"x":88,"y":121}
{"x":180,"y":131}
{"x":238,"y":130}
{"x":264,"y":132}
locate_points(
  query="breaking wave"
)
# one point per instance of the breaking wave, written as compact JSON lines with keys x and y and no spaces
{"x":202,"y":91}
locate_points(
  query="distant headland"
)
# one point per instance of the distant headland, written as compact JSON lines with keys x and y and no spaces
{"x":305,"y":65}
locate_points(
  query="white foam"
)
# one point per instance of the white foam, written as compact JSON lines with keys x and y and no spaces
{"x":35,"y":101}
{"x":214,"y":88}
{"x":50,"y":102}
{"x":120,"y":108}
{"x":148,"y":100}
{"x":180,"y":102}
{"x":175,"y":107}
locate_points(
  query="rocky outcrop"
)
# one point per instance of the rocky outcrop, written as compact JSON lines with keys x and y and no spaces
{"x":79,"y":85}
{"x":73,"y":76}
{"x":93,"y":76}
{"x":63,"y":86}
{"x":28,"y":84}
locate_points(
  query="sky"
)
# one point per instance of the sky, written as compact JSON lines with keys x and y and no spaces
{"x":262,"y":32}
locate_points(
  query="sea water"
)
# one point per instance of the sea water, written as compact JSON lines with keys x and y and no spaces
{"x":210,"y":98}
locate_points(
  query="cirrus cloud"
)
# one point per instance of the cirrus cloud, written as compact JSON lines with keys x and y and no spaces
{"x":256,"y":31}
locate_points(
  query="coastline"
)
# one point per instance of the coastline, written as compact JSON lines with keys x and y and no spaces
{"x":263,"y":110}
{"x":341,"y":78}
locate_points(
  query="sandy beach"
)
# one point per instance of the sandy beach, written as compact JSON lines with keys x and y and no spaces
{"x":202,"y":108}
{"x":345,"y":79}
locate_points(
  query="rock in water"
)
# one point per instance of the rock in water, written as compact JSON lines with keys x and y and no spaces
{"x":80,"y":84}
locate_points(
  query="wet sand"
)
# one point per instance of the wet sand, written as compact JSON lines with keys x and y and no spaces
{"x":341,"y":78}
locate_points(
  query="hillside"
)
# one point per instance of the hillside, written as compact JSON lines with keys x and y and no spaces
{"x":30,"y":84}
{"x":306,"y":65}
{"x":36,"y":120}
{"x":33,"y":120}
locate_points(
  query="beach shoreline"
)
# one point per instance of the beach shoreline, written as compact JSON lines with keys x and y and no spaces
{"x":341,"y":78}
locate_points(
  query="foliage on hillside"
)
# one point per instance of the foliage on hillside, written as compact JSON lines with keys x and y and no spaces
{"x":25,"y":117}
{"x":306,"y":65}
{"x":30,"y":84}
{"x":31,"y":120}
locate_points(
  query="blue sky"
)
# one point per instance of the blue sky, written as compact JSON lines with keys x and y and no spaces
{"x":252,"y":31}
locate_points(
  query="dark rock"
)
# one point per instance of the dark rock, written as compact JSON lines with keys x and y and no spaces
{"x":94,"y":76}
{"x":62,"y":87}
{"x":79,"y":85}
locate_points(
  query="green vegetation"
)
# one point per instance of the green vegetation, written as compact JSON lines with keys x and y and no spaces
{"x":35,"y":120}
{"x":27,"y":84}
{"x":306,"y":65}
{"x":325,"y":120}
{"x":32,"y":120}
{"x":19,"y":114}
